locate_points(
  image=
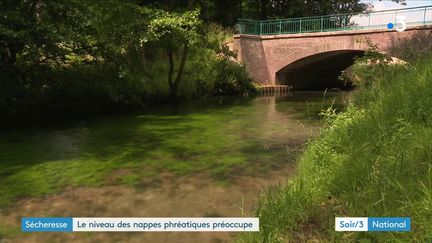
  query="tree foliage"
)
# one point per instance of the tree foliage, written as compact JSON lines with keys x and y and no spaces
{"x":226,"y":12}
{"x":176,"y":33}
{"x":39,"y":31}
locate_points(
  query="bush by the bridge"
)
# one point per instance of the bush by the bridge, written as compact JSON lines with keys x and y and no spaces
{"x":374,"y":160}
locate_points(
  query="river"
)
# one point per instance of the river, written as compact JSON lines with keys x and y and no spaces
{"x":202,"y":158}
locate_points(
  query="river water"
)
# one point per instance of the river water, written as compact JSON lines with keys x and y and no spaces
{"x":208,"y":158}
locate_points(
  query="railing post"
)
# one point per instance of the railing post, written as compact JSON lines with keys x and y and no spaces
{"x":369,"y":21}
{"x":396,"y":19}
{"x":345,"y":22}
{"x":280,"y":27}
{"x":342,"y":26}
{"x":300,"y":26}
{"x":322,"y":24}
{"x":424,"y":16}
{"x":260,"y":33}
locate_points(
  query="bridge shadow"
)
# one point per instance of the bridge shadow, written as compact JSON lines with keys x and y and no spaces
{"x":318,"y":72}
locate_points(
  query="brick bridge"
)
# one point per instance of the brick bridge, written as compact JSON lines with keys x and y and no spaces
{"x":288,"y":59}
{"x":278,"y":52}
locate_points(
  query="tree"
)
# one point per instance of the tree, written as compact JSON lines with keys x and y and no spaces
{"x":175,"y":33}
{"x":36,"y":36}
{"x":39,"y":39}
{"x":38,"y":31}
{"x":272,"y":9}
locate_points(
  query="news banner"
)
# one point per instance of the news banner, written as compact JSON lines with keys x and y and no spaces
{"x":241,"y":224}
{"x":138,"y":224}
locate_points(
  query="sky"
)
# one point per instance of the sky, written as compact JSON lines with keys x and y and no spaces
{"x":411,"y":17}
{"x":385,"y":5}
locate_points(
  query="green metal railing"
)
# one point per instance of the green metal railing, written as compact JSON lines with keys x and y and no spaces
{"x":373,"y":20}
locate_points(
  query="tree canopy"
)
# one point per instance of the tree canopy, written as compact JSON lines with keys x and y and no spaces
{"x":226,"y":12}
{"x":174,"y":31}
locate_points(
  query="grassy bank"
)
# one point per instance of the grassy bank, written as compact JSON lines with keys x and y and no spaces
{"x":374,"y":160}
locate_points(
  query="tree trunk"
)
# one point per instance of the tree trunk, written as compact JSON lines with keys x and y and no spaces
{"x":240,"y":10}
{"x":11,"y":52}
{"x":171,"y":67}
{"x":263,"y":8}
{"x":176,"y":83}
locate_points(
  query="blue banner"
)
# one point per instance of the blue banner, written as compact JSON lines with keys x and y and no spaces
{"x":389,"y":224}
{"x":46,"y":224}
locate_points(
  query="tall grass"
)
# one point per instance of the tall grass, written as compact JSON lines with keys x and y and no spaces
{"x":374,"y":160}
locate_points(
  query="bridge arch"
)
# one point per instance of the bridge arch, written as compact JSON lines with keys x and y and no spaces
{"x":268,"y":57}
{"x":317,"y":71}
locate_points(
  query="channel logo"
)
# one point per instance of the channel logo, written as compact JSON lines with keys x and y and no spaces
{"x":399,"y":26}
{"x":373,"y":224}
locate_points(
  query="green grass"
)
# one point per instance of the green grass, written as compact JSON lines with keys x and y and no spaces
{"x":7,"y":231}
{"x":373,"y":160}
{"x":130,"y":179}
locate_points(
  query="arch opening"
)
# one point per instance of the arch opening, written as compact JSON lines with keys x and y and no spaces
{"x":318,"y":72}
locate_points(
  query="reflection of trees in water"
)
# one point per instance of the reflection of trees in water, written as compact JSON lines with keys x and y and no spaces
{"x":286,"y":115}
{"x":270,"y":102}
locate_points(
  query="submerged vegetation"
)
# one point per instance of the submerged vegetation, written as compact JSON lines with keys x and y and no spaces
{"x":220,"y":138}
{"x":373,"y":160}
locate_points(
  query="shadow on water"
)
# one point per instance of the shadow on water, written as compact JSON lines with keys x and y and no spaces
{"x":103,"y":133}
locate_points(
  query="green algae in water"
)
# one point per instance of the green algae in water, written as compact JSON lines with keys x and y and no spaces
{"x":223,"y":138}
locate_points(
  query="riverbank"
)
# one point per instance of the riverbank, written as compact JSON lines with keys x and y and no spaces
{"x":374,"y":160}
